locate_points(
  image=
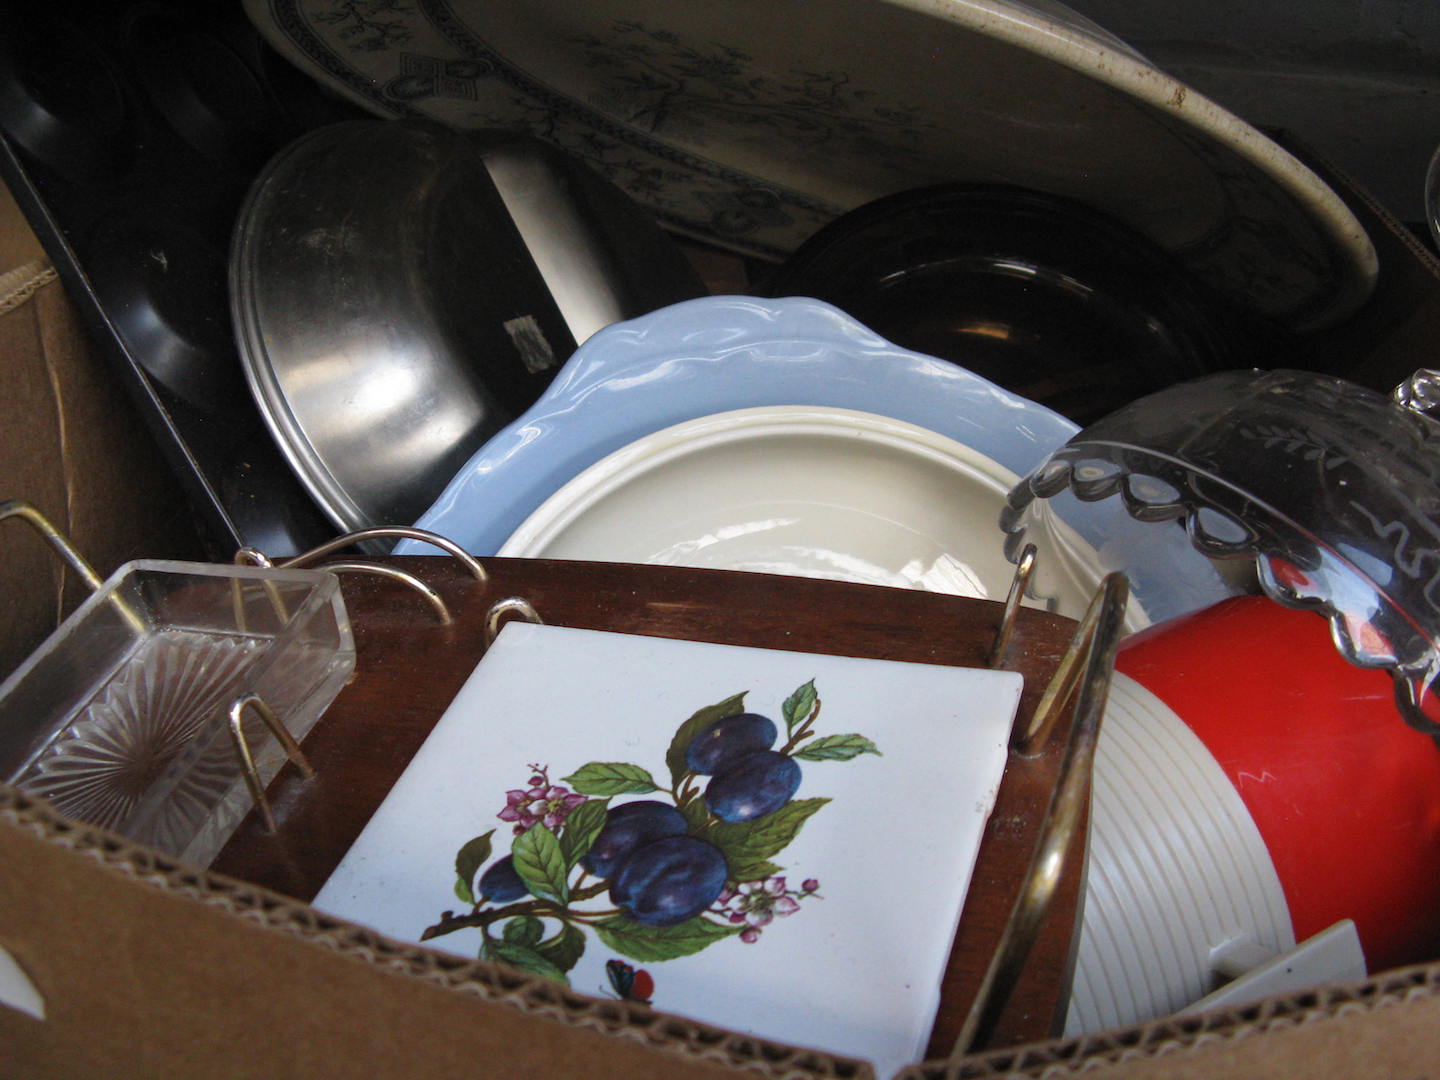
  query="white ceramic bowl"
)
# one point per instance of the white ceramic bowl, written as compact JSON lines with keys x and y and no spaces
{"x":806,"y":491}
{"x":1177,"y":871}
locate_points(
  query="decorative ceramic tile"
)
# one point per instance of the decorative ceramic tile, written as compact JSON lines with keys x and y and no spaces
{"x":776,"y":842}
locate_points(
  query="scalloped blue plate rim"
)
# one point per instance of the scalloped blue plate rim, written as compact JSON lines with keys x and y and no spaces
{"x":712,"y":355}
{"x":721,"y":353}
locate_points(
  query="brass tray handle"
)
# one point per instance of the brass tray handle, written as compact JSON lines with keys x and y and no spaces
{"x":1094,"y":645}
{"x":253,"y":557}
{"x":1024,"y":569}
{"x":463,"y":557}
{"x":247,"y":760}
{"x":67,"y":551}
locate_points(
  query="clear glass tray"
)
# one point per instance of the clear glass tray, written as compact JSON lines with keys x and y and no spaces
{"x":122,"y":717}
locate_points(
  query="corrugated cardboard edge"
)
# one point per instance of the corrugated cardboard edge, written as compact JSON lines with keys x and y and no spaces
{"x":1383,"y":1027}
{"x":20,"y":284}
{"x":678,"y":1041}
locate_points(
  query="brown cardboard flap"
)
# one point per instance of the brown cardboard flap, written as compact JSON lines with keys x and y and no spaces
{"x":72,"y":445}
{"x":149,"y":969}
{"x":1382,"y":1029}
{"x":152,"y":970}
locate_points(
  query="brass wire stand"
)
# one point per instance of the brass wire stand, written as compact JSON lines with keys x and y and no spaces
{"x":313,"y":557}
{"x":19,"y":508}
{"x":1084,"y":674}
{"x":248,"y":701}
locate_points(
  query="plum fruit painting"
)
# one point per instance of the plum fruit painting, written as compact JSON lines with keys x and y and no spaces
{"x":686,"y":865}
{"x":772,"y":842}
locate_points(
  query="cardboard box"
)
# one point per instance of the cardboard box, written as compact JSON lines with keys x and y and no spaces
{"x":151,"y":969}
{"x":72,"y":446}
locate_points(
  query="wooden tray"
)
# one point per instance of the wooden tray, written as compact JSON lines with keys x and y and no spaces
{"x":409,"y":666}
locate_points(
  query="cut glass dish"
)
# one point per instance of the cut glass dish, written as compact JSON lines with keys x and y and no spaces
{"x":122,"y":717}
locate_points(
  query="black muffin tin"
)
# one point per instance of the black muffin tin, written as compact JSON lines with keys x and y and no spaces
{"x":129,"y":135}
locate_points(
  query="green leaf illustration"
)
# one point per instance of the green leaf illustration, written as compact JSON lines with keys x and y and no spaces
{"x":696,"y":814}
{"x":753,"y":870}
{"x":675,"y":756}
{"x":524,"y":930}
{"x":564,"y":949}
{"x":581,"y":828}
{"x":752,"y":841}
{"x":798,"y":706}
{"x":524,"y":958}
{"x":468,"y":860}
{"x":836,"y":748}
{"x":541,"y":864}
{"x":649,"y":944}
{"x":612,"y":778}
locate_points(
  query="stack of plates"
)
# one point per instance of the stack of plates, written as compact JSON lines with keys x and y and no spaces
{"x":783,"y":436}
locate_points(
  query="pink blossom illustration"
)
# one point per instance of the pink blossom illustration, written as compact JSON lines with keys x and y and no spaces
{"x":540,"y":803}
{"x":655,"y":866}
{"x":756,"y":904}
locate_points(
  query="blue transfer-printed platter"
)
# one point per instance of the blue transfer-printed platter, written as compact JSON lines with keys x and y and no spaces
{"x":751,"y":124}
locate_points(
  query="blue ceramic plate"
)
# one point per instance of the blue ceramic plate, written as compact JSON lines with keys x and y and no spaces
{"x":713,"y":355}
{"x":717,"y":354}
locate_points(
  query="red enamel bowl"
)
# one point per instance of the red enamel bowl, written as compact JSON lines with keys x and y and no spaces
{"x":1344,"y":793}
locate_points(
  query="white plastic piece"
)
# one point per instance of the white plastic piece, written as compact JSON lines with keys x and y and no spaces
{"x":1177,"y":869}
{"x":1332,"y":955}
{"x":16,"y":989}
{"x":1239,"y":957}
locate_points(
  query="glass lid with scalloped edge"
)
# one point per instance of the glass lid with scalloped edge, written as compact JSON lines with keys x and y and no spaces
{"x":1330,"y":488}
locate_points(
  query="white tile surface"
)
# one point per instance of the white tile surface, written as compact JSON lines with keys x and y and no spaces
{"x":857,"y":972}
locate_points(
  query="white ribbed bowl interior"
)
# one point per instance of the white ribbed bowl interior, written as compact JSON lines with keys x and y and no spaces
{"x":1177,"y":870}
